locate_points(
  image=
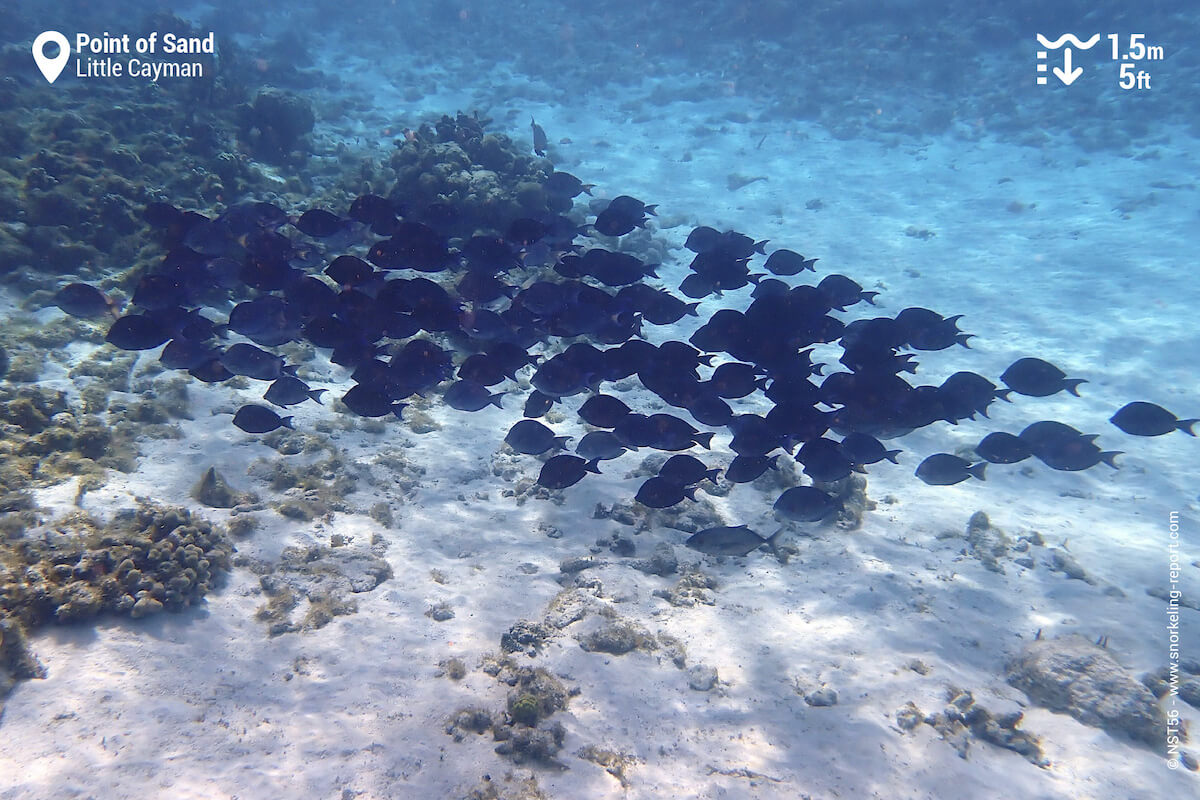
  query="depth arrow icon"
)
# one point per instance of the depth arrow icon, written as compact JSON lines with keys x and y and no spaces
{"x":1066,"y":74}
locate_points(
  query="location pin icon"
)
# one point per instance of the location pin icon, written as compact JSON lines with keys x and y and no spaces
{"x":51,"y":67}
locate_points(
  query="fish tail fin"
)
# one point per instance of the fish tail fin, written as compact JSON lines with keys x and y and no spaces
{"x":1185,"y":425}
{"x":1003,"y":394}
{"x":713,"y":474}
{"x":287,"y":423}
{"x":962,"y":339}
{"x":315,"y":394}
{"x":976,"y":470}
{"x":690,"y":493}
{"x":691,"y":310}
{"x":289,"y":369}
{"x":890,"y":455}
{"x":1110,"y":457}
{"x":561,"y":441}
{"x":495,"y":400}
{"x":651,"y":209}
{"x":593,"y":466}
{"x":1072,"y":385}
{"x":704,"y":439}
{"x":397,"y":410}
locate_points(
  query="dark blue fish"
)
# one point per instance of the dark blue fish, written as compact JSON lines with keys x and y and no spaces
{"x":320,"y":223}
{"x":490,"y":254}
{"x":211,"y":237}
{"x":264,"y":319}
{"x":248,"y":217}
{"x":862,"y":448}
{"x":753,"y":435}
{"x":733,"y":380}
{"x":537,"y":404}
{"x":288,"y":391}
{"x":532,"y":438}
{"x":564,"y":184}
{"x":708,"y":409}
{"x":600,"y":446}
{"x":413,"y":245}
{"x":841,"y":292}
{"x":525,"y":231}
{"x":563,"y":471}
{"x":928,"y":330}
{"x":84,"y":301}
{"x":687,"y":470}
{"x":824,"y":461}
{"x":540,"y":143}
{"x":162,"y":215}
{"x":1062,"y":447}
{"x":1003,"y":448}
{"x":483,"y":369}
{"x":805,"y":504}
{"x":787,"y":262}
{"x":466,"y":395}
{"x":509,"y":357}
{"x":1048,"y":434}
{"x":744,"y":469}
{"x":1146,"y":419}
{"x":622,"y":215}
{"x":186,"y":354}
{"x":349,"y":270}
{"x":480,"y":287}
{"x":160,"y":291}
{"x":137,"y":332}
{"x":667,"y":432}
{"x":966,"y":394}
{"x":702,"y":239}
{"x":661,"y":492}
{"x":210,"y":371}
{"x":943,"y":469}
{"x":259,"y":419}
{"x":376,"y":211}
{"x":1034,"y":377}
{"x":250,"y":361}
{"x":369,"y":401}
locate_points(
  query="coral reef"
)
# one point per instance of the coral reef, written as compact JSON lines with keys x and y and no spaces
{"x":326,"y":576}
{"x":617,"y":638}
{"x":485,"y":176}
{"x":524,"y":730}
{"x":275,"y":124}
{"x":142,"y":562}
{"x":1074,"y":676}
{"x":963,"y":719}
